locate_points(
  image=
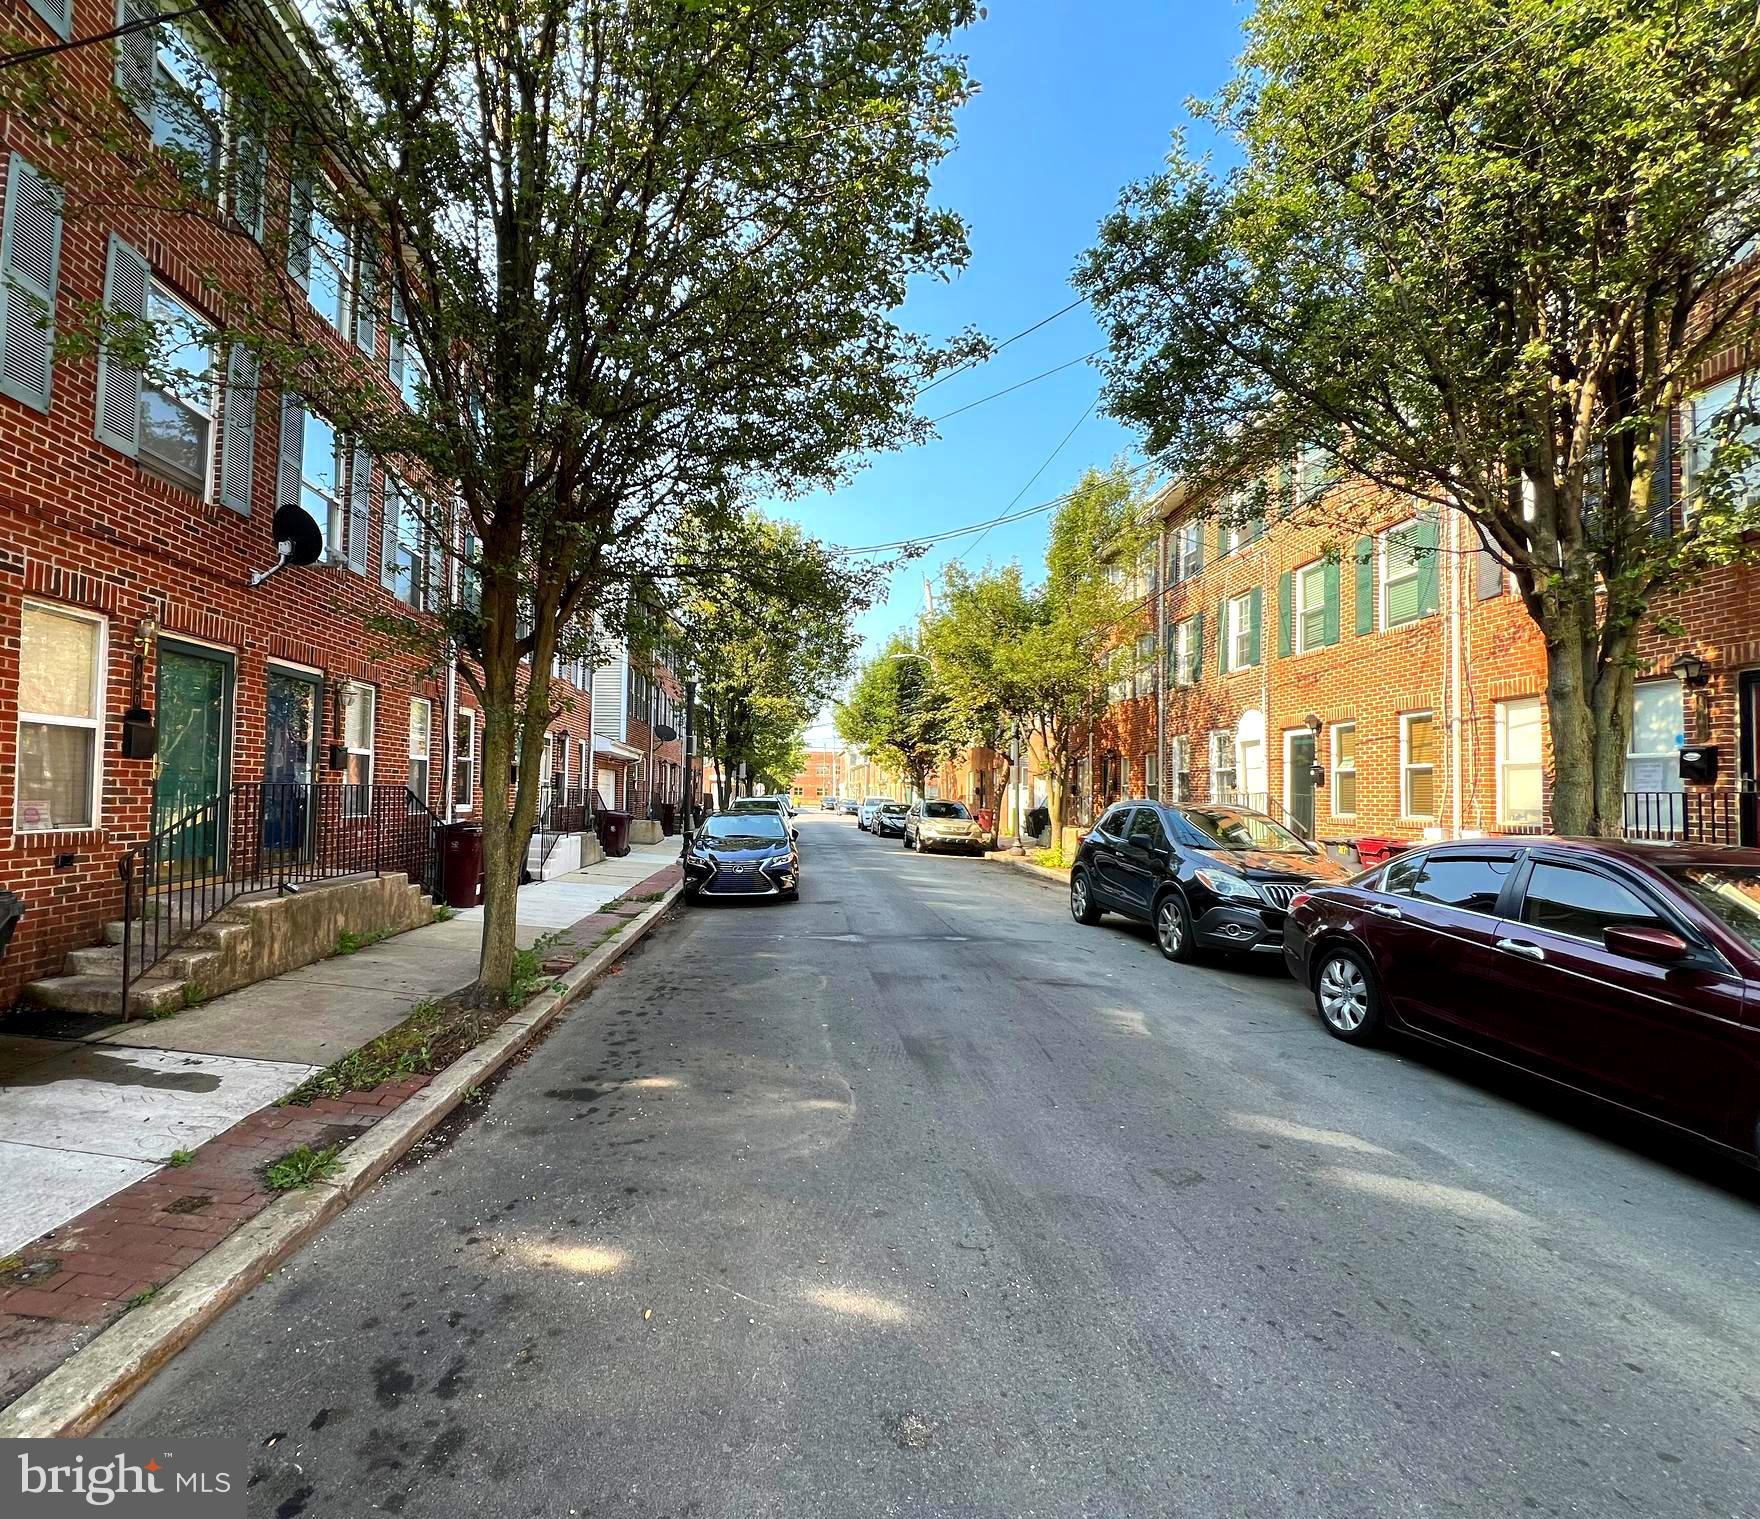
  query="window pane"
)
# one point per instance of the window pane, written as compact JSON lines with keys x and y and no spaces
{"x":1420,"y":741}
{"x":1402,"y":598}
{"x":1471,"y":885}
{"x":418,"y":729}
{"x":360,"y":717}
{"x":1344,"y":791}
{"x":1520,"y":722}
{"x":58,"y":664}
{"x":1523,"y":797}
{"x":1344,"y":744}
{"x":1580,"y":903}
{"x":1421,"y":794}
{"x":1656,"y":716}
{"x":55,"y":776}
{"x":1402,"y":873}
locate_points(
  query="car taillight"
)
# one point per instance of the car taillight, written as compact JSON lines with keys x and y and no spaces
{"x":1297,"y":900}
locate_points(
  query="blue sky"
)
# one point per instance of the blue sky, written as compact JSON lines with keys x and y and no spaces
{"x":1076,"y":99}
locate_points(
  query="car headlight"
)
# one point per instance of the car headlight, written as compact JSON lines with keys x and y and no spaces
{"x":1226,"y":884}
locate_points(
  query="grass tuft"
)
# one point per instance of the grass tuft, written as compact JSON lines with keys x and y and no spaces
{"x":180,"y":1157}
{"x":302,"y":1166}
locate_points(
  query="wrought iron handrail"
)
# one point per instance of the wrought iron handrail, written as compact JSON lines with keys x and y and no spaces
{"x":1263,"y":801}
{"x":1683,"y":817}
{"x":264,"y":836}
{"x":562,"y":810}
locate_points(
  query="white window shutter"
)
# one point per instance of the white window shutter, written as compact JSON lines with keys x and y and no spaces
{"x":359,"y":499}
{"x":30,"y":270}
{"x":394,"y":350}
{"x":119,"y":383}
{"x":238,"y":444}
{"x":250,"y":173}
{"x":136,"y":56}
{"x":290,"y":461}
{"x":434,"y":596}
{"x":299,"y":231}
{"x":59,"y":15}
{"x":389,"y":528}
{"x":366,"y":294}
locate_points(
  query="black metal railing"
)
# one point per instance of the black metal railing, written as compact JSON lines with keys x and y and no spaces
{"x":264,"y":836}
{"x":562,"y":810}
{"x":1683,"y":817}
{"x":1263,"y":801}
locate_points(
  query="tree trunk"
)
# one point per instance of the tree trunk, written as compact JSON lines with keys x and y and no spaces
{"x":1589,"y":707}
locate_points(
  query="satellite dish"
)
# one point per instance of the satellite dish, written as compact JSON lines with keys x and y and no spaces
{"x":298,"y":540}
{"x":666,"y":733}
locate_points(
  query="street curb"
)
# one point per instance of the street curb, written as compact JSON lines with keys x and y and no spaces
{"x":1018,"y":862}
{"x":94,"y":1382}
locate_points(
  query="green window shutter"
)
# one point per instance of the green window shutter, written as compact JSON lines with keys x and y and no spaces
{"x":30,"y":270}
{"x":1424,"y":539}
{"x":58,"y":14}
{"x":136,"y":56}
{"x":1197,"y":667}
{"x":1329,"y":577}
{"x":290,"y":458}
{"x":238,"y":442}
{"x":1254,"y":620}
{"x":1365,"y":558}
{"x":1286,"y":614}
{"x":1222,"y":632}
{"x":126,"y":277}
{"x":360,"y":486}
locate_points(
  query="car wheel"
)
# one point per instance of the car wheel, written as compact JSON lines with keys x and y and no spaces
{"x":1173,"y":928}
{"x":1344,"y":993}
{"x":1081,"y":899}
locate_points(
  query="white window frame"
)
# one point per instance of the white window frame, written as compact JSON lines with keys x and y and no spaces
{"x":1303,"y":606}
{"x":323,"y":202}
{"x":1181,"y":768}
{"x":1703,"y":411}
{"x":1143,"y":680}
{"x":1671,"y":770}
{"x":464,"y":764}
{"x":93,"y":725}
{"x":1183,"y":633}
{"x":1506,"y":766}
{"x":168,"y":38}
{"x":1188,"y":544}
{"x":1219,"y":736}
{"x":1237,"y":621}
{"x":1407,"y":768}
{"x":1414,"y":573}
{"x":334,"y":515}
{"x":426,"y":757}
{"x":158,"y":290}
{"x":355,"y":804}
{"x":1341,"y":766}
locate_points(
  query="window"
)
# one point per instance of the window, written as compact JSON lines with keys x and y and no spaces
{"x":60,"y":719}
{"x":1344,"y":770}
{"x":326,"y":246}
{"x":1145,"y":672}
{"x":1311,"y":599}
{"x":177,"y":416}
{"x":1187,"y":656}
{"x":1471,"y":883}
{"x":1186,"y":554}
{"x":1222,"y":768}
{"x":1417,"y":765}
{"x":1316,"y":471}
{"x":408,"y":573}
{"x":1709,"y":431}
{"x":1146,"y":829}
{"x":185,"y":103}
{"x":421,"y":717}
{"x":1182,"y":771}
{"x":1117,"y":821}
{"x":357,"y":734}
{"x":1152,"y":775}
{"x":1407,"y":572}
{"x":1520,"y":784}
{"x":1564,"y":899}
{"x":464,"y":759}
{"x":320,"y":478}
{"x":1658,"y":730}
{"x":1240,"y":631}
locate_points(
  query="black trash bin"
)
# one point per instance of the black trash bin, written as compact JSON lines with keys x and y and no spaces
{"x":669,"y":818}
{"x":461,"y":865}
{"x":613,"y":829}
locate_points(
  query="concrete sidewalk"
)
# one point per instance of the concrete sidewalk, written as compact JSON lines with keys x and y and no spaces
{"x":90,"y":1107}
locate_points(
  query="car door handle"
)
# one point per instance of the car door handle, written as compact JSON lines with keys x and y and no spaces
{"x":1517,"y":947}
{"x":1386,"y":910}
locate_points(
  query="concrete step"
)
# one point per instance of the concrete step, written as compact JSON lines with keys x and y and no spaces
{"x":149,"y":997}
{"x":103,"y":960}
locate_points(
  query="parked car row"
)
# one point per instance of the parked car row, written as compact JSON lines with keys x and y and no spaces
{"x":926,"y":824}
{"x":1628,"y":971}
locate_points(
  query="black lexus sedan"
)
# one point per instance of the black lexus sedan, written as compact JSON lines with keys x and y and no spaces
{"x":889,"y":820}
{"x":1206,"y":877}
{"x":743,"y":854}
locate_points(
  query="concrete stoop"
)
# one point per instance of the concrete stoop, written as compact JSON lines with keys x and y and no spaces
{"x":248,"y":941}
{"x":571,"y":852}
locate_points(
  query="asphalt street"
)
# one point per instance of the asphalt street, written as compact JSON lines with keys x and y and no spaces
{"x":918,"y":1198}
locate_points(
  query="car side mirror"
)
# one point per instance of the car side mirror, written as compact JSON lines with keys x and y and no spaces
{"x":1639,"y":942}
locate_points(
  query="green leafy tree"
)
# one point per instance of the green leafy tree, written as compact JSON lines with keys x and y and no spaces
{"x":643,"y":255}
{"x":1473,"y":255}
{"x":897,"y":711}
{"x":1009,"y":652}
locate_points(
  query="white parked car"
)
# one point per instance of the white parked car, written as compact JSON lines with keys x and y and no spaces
{"x":870,"y":805}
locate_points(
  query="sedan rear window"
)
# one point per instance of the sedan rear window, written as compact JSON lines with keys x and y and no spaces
{"x":945,"y":810}
{"x":1471,"y":883}
{"x":746,"y":831}
{"x":1733,"y":895}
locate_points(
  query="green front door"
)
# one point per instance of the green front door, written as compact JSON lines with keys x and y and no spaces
{"x":195,"y":722}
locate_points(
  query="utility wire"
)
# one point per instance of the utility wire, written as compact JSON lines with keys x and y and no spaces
{"x":1018,"y":385}
{"x":1087,"y":412}
{"x":1024,"y":332}
{"x":140,"y":24}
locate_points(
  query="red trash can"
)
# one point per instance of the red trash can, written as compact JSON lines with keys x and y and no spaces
{"x":1375,"y":851}
{"x":461,"y":866}
{"x":613,"y":830}
{"x":987,"y":819}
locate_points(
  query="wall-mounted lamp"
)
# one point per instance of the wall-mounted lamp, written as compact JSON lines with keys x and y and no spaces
{"x":1691,"y":671}
{"x":1315,"y":723}
{"x":140,"y":738}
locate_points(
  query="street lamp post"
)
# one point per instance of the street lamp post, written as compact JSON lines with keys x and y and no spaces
{"x":690,"y":769}
{"x":1020,"y":818}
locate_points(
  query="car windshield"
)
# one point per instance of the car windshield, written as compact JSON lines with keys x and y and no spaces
{"x":894,"y":809}
{"x":756,"y":804}
{"x":751,"y":830}
{"x":1731,"y":893}
{"x":945,"y":810}
{"x":1225,"y":828}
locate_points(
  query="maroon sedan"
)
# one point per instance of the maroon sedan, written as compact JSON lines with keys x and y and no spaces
{"x":1630,"y":971}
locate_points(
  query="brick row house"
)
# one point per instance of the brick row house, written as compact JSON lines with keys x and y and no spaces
{"x":1388,"y":682}
{"x":132,"y":519}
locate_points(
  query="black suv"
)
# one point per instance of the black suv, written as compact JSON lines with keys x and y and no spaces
{"x":1215,"y":877}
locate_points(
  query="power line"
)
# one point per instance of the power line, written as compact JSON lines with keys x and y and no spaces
{"x":1080,"y":300}
{"x":1018,"y":385}
{"x":1087,"y":412}
{"x":140,"y":24}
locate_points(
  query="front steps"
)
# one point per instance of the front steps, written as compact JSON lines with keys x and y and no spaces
{"x":250,"y":940}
